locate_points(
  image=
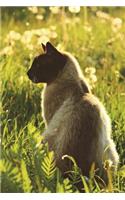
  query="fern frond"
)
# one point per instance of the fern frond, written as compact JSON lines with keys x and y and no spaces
{"x":67,"y":186}
{"x":48,"y":166}
{"x":4,"y":166}
{"x":11,"y":177}
{"x":74,"y":174}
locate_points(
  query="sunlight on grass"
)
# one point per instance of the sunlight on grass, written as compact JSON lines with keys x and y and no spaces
{"x":95,"y":36}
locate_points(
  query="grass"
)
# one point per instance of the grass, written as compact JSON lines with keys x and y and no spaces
{"x":96,"y":37}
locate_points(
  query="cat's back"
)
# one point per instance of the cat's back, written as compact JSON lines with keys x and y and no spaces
{"x":79,"y":130}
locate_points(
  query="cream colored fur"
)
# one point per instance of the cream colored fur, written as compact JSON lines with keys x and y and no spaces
{"x":77,"y":123}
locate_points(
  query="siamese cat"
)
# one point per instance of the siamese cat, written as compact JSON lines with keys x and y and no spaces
{"x":77,"y":123}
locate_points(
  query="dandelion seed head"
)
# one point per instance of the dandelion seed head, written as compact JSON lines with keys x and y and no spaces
{"x":27,"y":23}
{"x":91,"y":76}
{"x":33,"y":9}
{"x":111,"y":40}
{"x":52,"y":28}
{"x":108,"y":164}
{"x":26,"y":37}
{"x":90,"y":70}
{"x":21,"y":79}
{"x":12,"y":36}
{"x":29,"y":46}
{"x":87,"y":28}
{"x":103,"y":15}
{"x":116,"y":24}
{"x":117,"y":74}
{"x":67,"y":20}
{"x":42,"y":31}
{"x":74,"y":9}
{"x":103,"y":61}
{"x":120,"y":36}
{"x":39,"y":17}
{"x":44,"y":39}
{"x":60,"y":47}
{"x":76,"y":20}
{"x":53,"y":35}
{"x":54,"y":9}
{"x":8,"y":50}
{"x":31,"y":55}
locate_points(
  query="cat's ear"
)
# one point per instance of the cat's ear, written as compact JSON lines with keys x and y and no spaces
{"x":44,"y":47}
{"x":50,"y":48}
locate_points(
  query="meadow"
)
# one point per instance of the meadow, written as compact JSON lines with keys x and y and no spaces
{"x":95,"y":36}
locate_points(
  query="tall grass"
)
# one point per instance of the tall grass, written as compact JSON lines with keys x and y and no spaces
{"x":97,"y":40}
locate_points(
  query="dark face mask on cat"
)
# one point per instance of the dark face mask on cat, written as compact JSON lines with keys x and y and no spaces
{"x":46,"y":67}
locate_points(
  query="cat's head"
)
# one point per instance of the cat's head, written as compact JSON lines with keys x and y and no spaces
{"x":46,"y":67}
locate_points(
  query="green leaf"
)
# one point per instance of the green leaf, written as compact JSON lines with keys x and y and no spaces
{"x":60,"y":188}
{"x":27,"y":187}
{"x":121,"y":171}
{"x":86,"y":188}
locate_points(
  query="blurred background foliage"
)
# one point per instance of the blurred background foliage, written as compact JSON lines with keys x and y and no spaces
{"x":95,"y":36}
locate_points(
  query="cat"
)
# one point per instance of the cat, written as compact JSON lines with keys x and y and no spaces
{"x":77,"y":123}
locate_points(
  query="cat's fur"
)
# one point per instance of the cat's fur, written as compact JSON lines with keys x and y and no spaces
{"x":77,"y":123}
